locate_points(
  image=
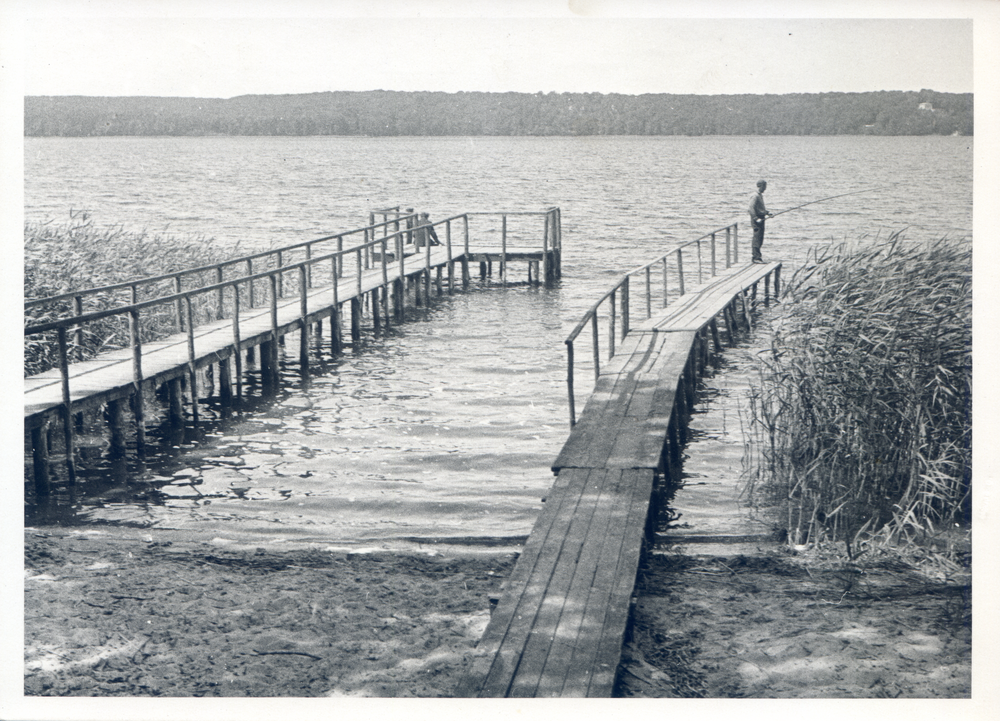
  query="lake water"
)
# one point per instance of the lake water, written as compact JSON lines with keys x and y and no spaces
{"x":445,"y":427}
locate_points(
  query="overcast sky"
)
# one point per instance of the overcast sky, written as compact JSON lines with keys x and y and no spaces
{"x":218,"y":49}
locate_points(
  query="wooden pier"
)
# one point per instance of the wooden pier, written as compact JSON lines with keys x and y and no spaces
{"x":247,"y":307}
{"x":559,"y":627}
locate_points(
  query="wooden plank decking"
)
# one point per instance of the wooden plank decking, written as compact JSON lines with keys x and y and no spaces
{"x":559,"y":627}
{"x":109,"y":376}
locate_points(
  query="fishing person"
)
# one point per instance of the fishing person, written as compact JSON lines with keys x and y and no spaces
{"x":425,"y":233}
{"x":758,"y":213}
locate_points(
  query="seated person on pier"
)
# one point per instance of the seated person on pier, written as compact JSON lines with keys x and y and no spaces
{"x":425,"y":232}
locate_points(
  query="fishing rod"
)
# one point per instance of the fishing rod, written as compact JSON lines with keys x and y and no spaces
{"x":854,"y":192}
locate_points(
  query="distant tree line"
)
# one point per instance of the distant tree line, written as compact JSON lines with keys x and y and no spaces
{"x":379,"y":113}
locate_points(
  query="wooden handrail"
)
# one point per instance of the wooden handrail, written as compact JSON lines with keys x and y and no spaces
{"x":620,"y":291}
{"x":205,"y":268}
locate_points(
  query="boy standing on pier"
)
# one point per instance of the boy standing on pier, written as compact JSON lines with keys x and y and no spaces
{"x":758,"y":212}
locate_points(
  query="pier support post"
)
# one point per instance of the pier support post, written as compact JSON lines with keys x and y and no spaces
{"x":355,"y":319}
{"x":40,"y":458}
{"x":225,"y":384}
{"x":267,"y":353}
{"x":116,"y":424}
{"x":303,"y":347}
{"x":376,"y":316}
{"x":746,"y":310}
{"x":175,"y":409}
{"x":482,"y":270}
{"x":336,"y":338}
{"x":399,"y":299}
{"x":715,"y":335}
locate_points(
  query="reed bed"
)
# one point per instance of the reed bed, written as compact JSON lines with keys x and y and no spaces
{"x":62,"y":257}
{"x":861,"y":423}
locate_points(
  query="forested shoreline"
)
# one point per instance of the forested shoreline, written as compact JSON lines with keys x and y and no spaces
{"x":390,"y":113}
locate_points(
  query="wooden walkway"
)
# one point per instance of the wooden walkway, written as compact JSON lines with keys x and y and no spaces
{"x":559,"y":626}
{"x":109,"y":376}
{"x":220,"y":323}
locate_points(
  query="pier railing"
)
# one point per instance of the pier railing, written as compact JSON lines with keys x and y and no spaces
{"x":688,"y":263}
{"x":193,"y":278}
{"x":374,"y":262}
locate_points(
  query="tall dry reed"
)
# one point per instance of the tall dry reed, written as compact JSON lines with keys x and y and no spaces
{"x":862,"y":419}
{"x":64,"y":257}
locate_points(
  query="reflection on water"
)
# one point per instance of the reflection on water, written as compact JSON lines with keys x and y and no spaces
{"x":388,"y":440}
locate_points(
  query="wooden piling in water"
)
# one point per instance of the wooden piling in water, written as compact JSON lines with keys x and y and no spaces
{"x":225,"y":383}
{"x":40,"y":458}
{"x":356,"y":320}
{"x":175,"y":407}
{"x":116,"y":424}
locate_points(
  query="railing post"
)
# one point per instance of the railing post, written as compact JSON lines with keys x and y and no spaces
{"x":713,"y":255}
{"x":78,"y":333}
{"x":549,"y":232}
{"x":664,"y":281}
{"x":611,"y":328}
{"x":273,"y":350}
{"x":138,"y":407}
{"x":304,"y":324}
{"x":335,"y":331}
{"x":281,"y":276}
{"x":179,"y":311}
{"x":625,"y":302}
{"x":649,"y":292}
{"x":680,"y":269}
{"x":569,"y":383}
{"x":736,"y":242}
{"x":385,"y":278}
{"x":67,"y":407}
{"x":729,"y":232}
{"x":340,"y":250}
{"x":237,"y":355}
{"x":309,"y":269}
{"x":503,"y":249}
{"x":358,"y":256}
{"x":451,"y":262}
{"x":465,"y":256}
{"x":596,"y":343}
{"x":192,"y":369}
{"x":250,"y":290}
{"x":698,"y":244}
{"x":219,"y":315}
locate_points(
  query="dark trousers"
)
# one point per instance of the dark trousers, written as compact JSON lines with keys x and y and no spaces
{"x":758,"y":238}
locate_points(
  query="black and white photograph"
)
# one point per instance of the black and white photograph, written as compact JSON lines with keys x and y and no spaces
{"x":600,"y":349}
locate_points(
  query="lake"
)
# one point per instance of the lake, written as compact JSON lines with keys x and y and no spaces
{"x":445,"y":427}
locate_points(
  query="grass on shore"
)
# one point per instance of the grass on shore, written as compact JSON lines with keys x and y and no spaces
{"x":861,"y":424}
{"x":75,"y":255}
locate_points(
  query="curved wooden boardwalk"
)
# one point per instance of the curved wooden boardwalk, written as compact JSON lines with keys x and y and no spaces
{"x":559,"y":626}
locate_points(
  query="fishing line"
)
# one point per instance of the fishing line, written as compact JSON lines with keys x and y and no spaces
{"x":821,"y":200}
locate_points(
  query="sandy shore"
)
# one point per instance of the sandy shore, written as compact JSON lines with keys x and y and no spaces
{"x":131,"y":612}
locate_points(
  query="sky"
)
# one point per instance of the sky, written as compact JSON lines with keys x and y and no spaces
{"x":219,"y":49}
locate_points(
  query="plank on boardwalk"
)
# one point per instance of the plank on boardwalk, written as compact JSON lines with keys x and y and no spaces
{"x":624,"y":423}
{"x":551,"y":627}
